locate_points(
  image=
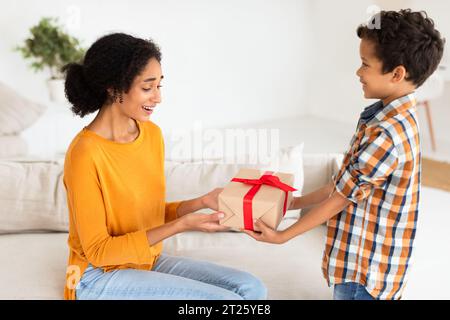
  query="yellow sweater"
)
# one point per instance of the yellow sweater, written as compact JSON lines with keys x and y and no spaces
{"x":115,"y":193}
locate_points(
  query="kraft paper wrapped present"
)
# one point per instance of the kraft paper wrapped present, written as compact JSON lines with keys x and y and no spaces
{"x":255,"y":194}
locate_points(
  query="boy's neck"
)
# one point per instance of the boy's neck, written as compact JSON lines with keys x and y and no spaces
{"x":395,"y":96}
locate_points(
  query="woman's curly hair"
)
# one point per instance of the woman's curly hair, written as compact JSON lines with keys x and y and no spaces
{"x":111,"y":63}
{"x":406,"y":38}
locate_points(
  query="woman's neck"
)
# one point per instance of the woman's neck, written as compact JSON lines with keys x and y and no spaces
{"x":110,"y":123}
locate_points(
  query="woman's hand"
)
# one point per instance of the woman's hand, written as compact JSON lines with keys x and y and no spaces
{"x":264,"y":233}
{"x":202,"y":222}
{"x":210,"y":200}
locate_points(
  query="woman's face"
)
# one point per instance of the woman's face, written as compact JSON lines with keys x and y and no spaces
{"x":144,"y":93}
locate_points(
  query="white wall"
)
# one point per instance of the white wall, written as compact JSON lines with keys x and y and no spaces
{"x":439,"y":11}
{"x":335,"y":89}
{"x":225,"y":62}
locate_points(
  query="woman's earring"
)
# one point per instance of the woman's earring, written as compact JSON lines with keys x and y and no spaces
{"x":120,"y":98}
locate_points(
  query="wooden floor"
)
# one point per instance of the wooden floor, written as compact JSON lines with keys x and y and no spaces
{"x":436,"y":174}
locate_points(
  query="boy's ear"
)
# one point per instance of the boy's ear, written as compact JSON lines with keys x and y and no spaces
{"x":398,"y":74}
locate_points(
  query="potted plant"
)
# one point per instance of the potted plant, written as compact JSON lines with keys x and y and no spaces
{"x":49,"y":47}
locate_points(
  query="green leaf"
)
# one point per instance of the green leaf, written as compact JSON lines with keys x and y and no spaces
{"x":49,"y":46}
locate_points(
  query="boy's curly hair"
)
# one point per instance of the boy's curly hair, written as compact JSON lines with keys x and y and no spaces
{"x":112,"y":62}
{"x":406,"y":38}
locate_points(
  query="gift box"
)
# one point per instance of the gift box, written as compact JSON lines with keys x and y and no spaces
{"x":255,"y":194}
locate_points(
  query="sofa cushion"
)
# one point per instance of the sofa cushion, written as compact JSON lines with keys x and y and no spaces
{"x":16,"y":112}
{"x":289,"y":271}
{"x":37,"y":262}
{"x":319,"y":169}
{"x":12,"y":146}
{"x":32,"y":197}
{"x":33,"y":265}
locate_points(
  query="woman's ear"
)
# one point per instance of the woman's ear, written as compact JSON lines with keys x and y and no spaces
{"x":114,"y":94}
{"x":398,"y":74}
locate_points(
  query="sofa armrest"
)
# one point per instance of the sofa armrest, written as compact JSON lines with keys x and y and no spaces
{"x":319,"y":168}
{"x":337,"y":162}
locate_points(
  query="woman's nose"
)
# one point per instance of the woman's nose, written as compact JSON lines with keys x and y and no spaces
{"x":157,"y":97}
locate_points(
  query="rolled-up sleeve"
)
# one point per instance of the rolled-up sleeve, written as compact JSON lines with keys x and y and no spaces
{"x":171,"y":211}
{"x":368,"y":168}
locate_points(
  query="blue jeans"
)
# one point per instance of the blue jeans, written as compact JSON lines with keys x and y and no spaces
{"x":172,"y":278}
{"x":351,"y":291}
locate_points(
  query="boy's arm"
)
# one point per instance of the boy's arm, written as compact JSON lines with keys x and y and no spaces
{"x":318,"y":215}
{"x":312,"y":198}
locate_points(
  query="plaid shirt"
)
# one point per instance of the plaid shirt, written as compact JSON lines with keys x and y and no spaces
{"x":370,"y":242}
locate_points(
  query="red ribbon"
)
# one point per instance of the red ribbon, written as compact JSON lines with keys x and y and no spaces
{"x":266,"y":179}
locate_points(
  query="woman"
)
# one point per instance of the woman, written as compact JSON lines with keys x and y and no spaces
{"x":114,"y":178}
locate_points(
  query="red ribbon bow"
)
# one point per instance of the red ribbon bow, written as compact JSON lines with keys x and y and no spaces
{"x":266,"y":179}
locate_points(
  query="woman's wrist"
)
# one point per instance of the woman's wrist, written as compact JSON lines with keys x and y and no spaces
{"x":189,"y":206}
{"x":164,"y":231}
{"x":180,"y":225}
{"x":201,"y":202}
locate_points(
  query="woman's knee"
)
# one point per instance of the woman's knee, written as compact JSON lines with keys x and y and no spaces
{"x":252,"y":288}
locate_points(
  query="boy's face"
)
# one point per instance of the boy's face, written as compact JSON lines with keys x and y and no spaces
{"x":376,"y":85}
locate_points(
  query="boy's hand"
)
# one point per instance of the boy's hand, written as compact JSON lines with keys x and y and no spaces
{"x":265,"y":233}
{"x":295,"y":203}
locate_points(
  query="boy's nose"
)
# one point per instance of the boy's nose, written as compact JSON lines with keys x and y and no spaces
{"x":358,"y":72}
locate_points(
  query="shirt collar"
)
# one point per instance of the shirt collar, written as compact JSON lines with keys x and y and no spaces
{"x":377,"y":112}
{"x":370,"y":111}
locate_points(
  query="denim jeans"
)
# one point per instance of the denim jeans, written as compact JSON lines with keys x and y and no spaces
{"x":172,"y":278}
{"x":351,"y":291}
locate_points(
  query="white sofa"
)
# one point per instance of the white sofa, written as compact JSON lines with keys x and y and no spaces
{"x":33,"y":264}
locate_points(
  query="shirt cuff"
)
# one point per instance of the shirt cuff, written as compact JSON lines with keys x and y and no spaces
{"x":145,"y":252}
{"x":171,"y":211}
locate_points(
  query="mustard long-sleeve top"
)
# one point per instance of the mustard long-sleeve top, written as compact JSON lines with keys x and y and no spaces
{"x":115,"y":193}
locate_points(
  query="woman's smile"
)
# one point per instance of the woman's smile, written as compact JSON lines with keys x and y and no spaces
{"x":148,"y":109}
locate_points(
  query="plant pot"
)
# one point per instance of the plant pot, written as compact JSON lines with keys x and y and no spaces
{"x":56,"y":90}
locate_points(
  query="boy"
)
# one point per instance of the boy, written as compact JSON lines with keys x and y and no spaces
{"x":372,"y":204}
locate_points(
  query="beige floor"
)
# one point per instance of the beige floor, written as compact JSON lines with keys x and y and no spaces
{"x":436,"y":174}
